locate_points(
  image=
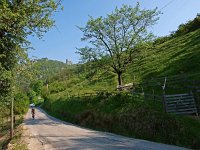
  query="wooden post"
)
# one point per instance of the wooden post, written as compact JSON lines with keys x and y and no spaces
{"x":143,"y":93}
{"x":196,"y":98}
{"x":153,"y":95}
{"x":47,"y":86}
{"x":198,"y":102}
{"x":163,"y":88}
{"x":11,"y":120}
{"x":142,"y":90}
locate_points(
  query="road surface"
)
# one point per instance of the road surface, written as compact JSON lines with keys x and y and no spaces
{"x":49,"y":133}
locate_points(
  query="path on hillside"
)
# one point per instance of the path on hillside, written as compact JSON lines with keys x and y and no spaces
{"x":50,"y":133}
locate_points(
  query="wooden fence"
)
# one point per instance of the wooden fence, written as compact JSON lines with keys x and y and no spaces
{"x":174,"y":92}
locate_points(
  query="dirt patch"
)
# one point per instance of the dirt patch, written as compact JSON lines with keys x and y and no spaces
{"x":24,"y":140}
{"x":31,"y":141}
{"x":17,"y":143}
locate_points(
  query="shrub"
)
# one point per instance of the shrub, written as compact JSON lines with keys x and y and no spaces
{"x":56,"y":87}
{"x":21,"y":103}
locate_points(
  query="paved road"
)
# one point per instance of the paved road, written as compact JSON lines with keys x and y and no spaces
{"x":55,"y":134}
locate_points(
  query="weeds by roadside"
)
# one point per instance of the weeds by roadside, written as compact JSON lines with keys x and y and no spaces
{"x":15,"y":143}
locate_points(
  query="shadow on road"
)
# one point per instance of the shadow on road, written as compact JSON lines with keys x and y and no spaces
{"x":40,"y":122}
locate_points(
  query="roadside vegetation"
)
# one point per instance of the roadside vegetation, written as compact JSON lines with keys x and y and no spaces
{"x":5,"y":132}
{"x":18,"y":143}
{"x":19,"y":20}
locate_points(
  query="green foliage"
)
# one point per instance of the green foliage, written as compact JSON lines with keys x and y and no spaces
{"x":161,"y":40}
{"x":116,"y":36}
{"x":34,"y":98}
{"x":19,"y":19}
{"x":174,"y":57}
{"x":5,"y":139}
{"x":45,"y":92}
{"x":22,"y":18}
{"x":56,"y":87}
{"x":21,"y":103}
{"x":44,"y":69}
{"x":31,"y":95}
{"x":190,"y":26}
{"x":37,"y":86}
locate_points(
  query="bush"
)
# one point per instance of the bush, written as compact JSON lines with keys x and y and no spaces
{"x":21,"y":103}
{"x":161,"y":40}
{"x":56,"y":87}
{"x":37,"y":87}
{"x":190,"y":26}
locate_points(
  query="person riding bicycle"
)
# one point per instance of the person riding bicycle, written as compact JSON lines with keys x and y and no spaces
{"x":33,"y":113}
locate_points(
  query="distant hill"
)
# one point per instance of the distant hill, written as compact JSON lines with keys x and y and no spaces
{"x":45,"y":68}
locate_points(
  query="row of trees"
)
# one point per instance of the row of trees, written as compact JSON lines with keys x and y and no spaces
{"x":18,"y":20}
{"x":185,"y":28}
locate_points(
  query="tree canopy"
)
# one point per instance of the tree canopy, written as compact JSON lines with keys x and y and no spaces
{"x":18,"y":20}
{"x":116,"y":36}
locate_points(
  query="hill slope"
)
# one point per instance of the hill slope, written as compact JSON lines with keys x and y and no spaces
{"x":177,"y":56}
{"x":180,"y":55}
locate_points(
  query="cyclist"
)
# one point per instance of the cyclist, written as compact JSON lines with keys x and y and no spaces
{"x":33,"y":113}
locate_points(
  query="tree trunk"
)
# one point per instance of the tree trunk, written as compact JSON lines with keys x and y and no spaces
{"x":119,"y":74}
{"x":11,"y":120}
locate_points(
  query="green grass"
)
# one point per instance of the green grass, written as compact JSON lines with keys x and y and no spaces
{"x":17,"y":143}
{"x":5,"y":131}
{"x":180,"y":55}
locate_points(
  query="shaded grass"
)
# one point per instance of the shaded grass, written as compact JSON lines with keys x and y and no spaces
{"x":17,"y":143}
{"x":4,"y":141}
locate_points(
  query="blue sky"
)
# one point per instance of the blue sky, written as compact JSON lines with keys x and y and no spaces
{"x":61,"y":41}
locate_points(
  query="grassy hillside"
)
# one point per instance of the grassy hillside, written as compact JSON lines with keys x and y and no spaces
{"x":129,"y":114}
{"x":178,"y":56}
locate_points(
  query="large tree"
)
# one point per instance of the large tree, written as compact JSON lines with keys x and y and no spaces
{"x":115,"y":36}
{"x":18,"y":20}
